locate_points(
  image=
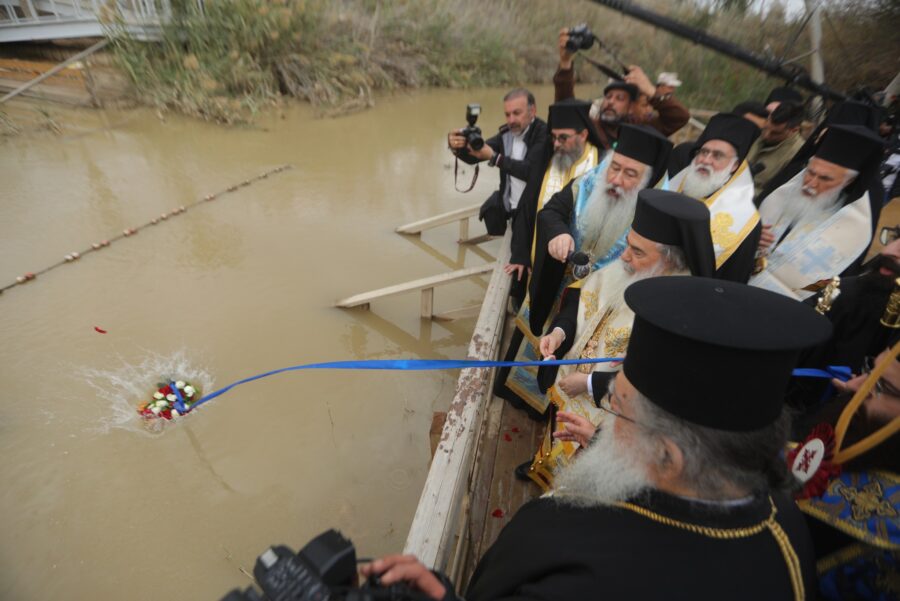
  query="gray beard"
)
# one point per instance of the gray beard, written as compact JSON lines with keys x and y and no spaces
{"x":564,"y":160}
{"x":603,"y":473}
{"x":699,"y":186}
{"x":605,"y":218}
{"x":802,"y":209}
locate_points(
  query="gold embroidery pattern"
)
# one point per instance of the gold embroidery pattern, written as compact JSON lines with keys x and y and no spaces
{"x":868,"y":501}
{"x":590,"y":349}
{"x":720,"y":227}
{"x":590,"y":301}
{"x":616,"y":341}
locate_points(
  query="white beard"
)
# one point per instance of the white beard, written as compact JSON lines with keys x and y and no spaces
{"x":701,"y":186}
{"x":605,"y":218}
{"x":603,"y":473}
{"x":618,"y":276}
{"x":804,"y":209}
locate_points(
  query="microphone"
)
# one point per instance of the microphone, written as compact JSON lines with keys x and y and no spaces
{"x":581,"y":264}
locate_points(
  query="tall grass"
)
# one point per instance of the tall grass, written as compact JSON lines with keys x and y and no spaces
{"x":239,"y":55}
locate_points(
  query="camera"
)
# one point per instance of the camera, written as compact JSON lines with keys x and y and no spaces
{"x":580,"y":38}
{"x":323,"y":570}
{"x":472,"y":133}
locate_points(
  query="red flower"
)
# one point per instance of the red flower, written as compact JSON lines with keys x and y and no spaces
{"x":100,"y":330}
{"x":516,"y":430}
{"x":507,"y":437}
{"x":497,"y":513}
{"x":812,"y":461}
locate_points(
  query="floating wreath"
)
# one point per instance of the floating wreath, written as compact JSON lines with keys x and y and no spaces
{"x":170,"y":400}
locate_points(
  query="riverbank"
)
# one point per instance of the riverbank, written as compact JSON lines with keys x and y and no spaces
{"x":238,"y":56}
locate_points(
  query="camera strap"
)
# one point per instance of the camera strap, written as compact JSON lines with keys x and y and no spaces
{"x":456,"y":177}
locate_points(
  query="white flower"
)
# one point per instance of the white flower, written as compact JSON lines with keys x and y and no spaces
{"x":189,"y":390}
{"x":171,"y":397}
{"x":155,"y":410}
{"x":175,"y":413}
{"x":161,"y":404}
{"x":179,"y":384}
{"x":158,"y":395}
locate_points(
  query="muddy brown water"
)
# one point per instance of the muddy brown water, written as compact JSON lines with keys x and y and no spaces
{"x":92,"y":506}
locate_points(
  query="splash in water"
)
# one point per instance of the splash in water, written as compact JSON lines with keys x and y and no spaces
{"x":124,"y":388}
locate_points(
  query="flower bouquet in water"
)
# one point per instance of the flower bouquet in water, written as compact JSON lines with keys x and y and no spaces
{"x":170,"y":400}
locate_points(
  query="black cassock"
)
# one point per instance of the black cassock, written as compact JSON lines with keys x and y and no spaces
{"x":551,"y":551}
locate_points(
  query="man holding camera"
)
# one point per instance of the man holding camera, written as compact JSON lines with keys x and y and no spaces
{"x":515,"y":150}
{"x":620,"y":97}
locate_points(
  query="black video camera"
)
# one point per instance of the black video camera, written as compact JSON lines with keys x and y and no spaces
{"x":323,"y":570}
{"x":472,"y":133}
{"x":580,"y":38}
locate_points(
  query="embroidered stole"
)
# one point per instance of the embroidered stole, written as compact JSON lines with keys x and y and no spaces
{"x":732,"y":214}
{"x":811,"y":252}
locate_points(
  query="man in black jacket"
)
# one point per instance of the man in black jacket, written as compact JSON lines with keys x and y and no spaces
{"x":515,"y":150}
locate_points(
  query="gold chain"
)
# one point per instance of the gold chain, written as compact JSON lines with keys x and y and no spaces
{"x":781,"y":537}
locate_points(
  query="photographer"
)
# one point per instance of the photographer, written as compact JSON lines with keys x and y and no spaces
{"x":620,"y":102}
{"x":514,"y":150}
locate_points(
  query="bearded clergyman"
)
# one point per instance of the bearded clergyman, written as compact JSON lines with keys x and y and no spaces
{"x":684,"y":493}
{"x":820,"y":223}
{"x":592,"y":215}
{"x":719,"y":175}
{"x":669,"y":236}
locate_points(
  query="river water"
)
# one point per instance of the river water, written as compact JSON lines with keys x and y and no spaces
{"x":94,"y":506}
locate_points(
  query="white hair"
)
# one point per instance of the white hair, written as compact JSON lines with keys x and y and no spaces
{"x":608,"y":213}
{"x":698,"y":185}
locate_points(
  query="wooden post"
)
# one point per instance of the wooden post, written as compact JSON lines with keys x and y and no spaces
{"x":427,"y":302}
{"x":464,"y":229}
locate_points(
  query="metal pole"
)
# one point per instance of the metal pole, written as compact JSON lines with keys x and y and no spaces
{"x":816,"y":68}
{"x":55,"y":70}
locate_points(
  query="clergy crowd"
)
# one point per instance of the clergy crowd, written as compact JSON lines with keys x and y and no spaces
{"x":732,"y":432}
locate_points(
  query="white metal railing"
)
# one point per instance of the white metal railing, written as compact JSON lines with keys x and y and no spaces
{"x":48,"y":19}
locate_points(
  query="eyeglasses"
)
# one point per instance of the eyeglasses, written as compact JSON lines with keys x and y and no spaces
{"x":561,"y":138}
{"x":881,"y":385}
{"x":717,"y":155}
{"x":607,"y":406}
{"x":889,"y":234}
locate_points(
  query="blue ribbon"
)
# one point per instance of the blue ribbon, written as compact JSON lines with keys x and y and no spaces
{"x":179,"y":400}
{"x":842,"y":373}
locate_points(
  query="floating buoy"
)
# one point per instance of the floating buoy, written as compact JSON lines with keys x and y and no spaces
{"x":128,"y":231}
{"x":164,"y":216}
{"x":154,"y":221}
{"x":104,"y":243}
{"x":96,"y":246}
{"x":209,"y":197}
{"x":25,"y":278}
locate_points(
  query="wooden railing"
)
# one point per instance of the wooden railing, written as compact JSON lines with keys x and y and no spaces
{"x":438,"y":530}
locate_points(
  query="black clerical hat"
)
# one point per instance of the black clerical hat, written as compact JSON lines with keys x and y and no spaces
{"x":851,"y":146}
{"x":678,"y":220}
{"x":618,"y":84}
{"x":784,"y":94}
{"x":573,"y":114}
{"x":851,"y":112}
{"x":570,"y":114}
{"x":731,"y":128}
{"x":716,"y":353}
{"x":647,"y":145}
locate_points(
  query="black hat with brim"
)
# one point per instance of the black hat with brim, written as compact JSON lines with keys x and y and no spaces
{"x":731,"y":128}
{"x":717,"y":353}
{"x":752,"y":107}
{"x":618,"y":84}
{"x":645,"y":145}
{"x":678,"y":220}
